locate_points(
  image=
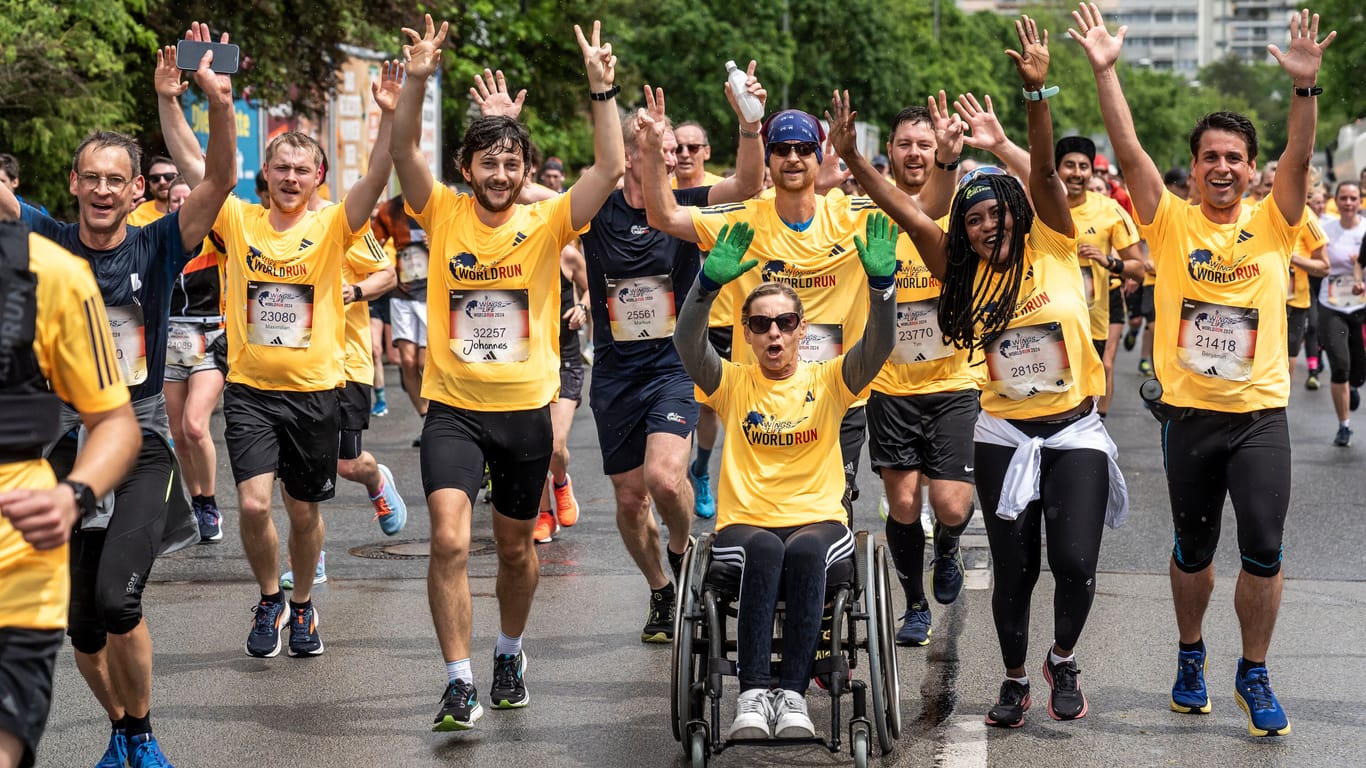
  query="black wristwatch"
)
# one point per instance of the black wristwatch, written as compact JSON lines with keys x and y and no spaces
{"x":85,"y":498}
{"x":359,"y":294}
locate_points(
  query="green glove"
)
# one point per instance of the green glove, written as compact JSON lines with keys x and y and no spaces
{"x":723,"y":263}
{"x":878,"y":253}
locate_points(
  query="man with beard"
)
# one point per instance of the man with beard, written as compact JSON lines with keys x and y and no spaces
{"x":161,"y":173}
{"x":493,"y":323}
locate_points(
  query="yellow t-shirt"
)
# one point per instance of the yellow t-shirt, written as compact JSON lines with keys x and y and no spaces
{"x":709,"y":179}
{"x":1102,"y":222}
{"x":1220,"y":300}
{"x":820,"y":263}
{"x":364,"y":259}
{"x":144,"y":214}
{"x":76,"y":354}
{"x":921,"y":363}
{"x":284,"y":306}
{"x":1309,"y":239}
{"x":1044,"y":362}
{"x":493,"y":303}
{"x":781,"y":465}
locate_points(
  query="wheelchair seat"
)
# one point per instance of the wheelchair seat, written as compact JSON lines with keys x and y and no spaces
{"x":724,"y":578}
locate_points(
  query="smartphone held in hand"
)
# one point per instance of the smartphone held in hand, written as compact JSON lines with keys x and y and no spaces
{"x":226,"y":56}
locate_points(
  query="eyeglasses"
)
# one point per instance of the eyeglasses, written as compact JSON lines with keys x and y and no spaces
{"x":787,"y":322}
{"x":979,"y":172}
{"x":783,"y":149}
{"x":91,"y":181}
{"x":691,"y":148}
{"x":158,"y":177}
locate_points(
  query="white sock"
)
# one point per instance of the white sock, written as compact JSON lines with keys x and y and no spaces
{"x":459,"y":670}
{"x":1055,"y":659}
{"x":1022,"y":680}
{"x":507,"y":646}
{"x":1346,"y":423}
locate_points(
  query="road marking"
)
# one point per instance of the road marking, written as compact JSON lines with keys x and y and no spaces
{"x":977,"y":579}
{"x":964,"y":744}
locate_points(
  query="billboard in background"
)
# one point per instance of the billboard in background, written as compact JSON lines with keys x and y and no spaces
{"x":249,"y":140}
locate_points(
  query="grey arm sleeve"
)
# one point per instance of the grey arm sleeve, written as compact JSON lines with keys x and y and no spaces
{"x":864,"y":361}
{"x":690,"y":339}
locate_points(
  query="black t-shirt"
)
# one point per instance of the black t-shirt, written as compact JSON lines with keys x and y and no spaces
{"x":135,"y":279}
{"x":622,"y":244}
{"x":570,"y":350}
{"x":198,"y":292}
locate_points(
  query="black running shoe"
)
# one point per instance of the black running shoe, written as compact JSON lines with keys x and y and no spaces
{"x":460,"y":708}
{"x":659,"y":623}
{"x":304,"y":639}
{"x":948,"y":571}
{"x":1011,"y":705}
{"x":264,"y":639}
{"x":509,"y":689}
{"x":1066,"y":702}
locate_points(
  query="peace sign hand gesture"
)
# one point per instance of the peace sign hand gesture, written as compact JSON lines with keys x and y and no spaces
{"x":1032,"y":59}
{"x":1305,"y":55}
{"x":598,"y":59}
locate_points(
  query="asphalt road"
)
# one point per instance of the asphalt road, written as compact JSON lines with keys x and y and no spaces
{"x":600,"y":697}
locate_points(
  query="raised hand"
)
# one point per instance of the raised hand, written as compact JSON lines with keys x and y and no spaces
{"x":948,"y":128}
{"x":210,"y":82}
{"x":167,"y":78}
{"x":598,"y":59}
{"x":753,"y":86}
{"x":490,"y":93}
{"x":422,"y":57}
{"x":1101,"y":47}
{"x":1031,"y":61}
{"x":723,"y":263}
{"x":878,"y":251}
{"x":843,"y":134}
{"x":984,"y":129}
{"x":650,"y":122}
{"x":388,"y":86}
{"x":1305,"y":54}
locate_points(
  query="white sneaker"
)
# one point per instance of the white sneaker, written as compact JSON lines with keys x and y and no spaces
{"x":790,"y":718}
{"x":927,"y":518}
{"x":753,"y":713}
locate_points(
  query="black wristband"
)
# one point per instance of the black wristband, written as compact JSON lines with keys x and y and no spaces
{"x":606,"y":95}
{"x":953,"y":166}
{"x":1312,"y":90}
{"x":358,"y":292}
{"x":1116,"y":266}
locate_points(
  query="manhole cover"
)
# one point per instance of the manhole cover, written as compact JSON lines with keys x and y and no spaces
{"x":416,"y":549}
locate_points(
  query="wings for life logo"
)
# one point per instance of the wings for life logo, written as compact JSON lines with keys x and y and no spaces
{"x":913,"y":275}
{"x":465,"y":267}
{"x":782,"y":272}
{"x":1204,"y":266}
{"x":262,"y":264}
{"x":487,"y":307}
{"x":769,"y":430}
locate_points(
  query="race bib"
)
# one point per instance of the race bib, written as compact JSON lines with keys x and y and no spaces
{"x":1216,"y":340}
{"x":490,"y":326}
{"x":823,"y":341}
{"x":185,"y":344}
{"x":279,"y":314}
{"x":1025,"y":361}
{"x":412,"y":267}
{"x":130,"y":341}
{"x":641,"y":307}
{"x":1088,"y":281}
{"x":918,"y":337}
{"x":1340,"y":295}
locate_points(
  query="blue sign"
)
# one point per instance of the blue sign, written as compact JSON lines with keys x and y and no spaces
{"x":248,"y":138}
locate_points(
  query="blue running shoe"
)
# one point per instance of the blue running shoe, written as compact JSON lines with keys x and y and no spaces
{"x":304,"y":639}
{"x":460,"y":708}
{"x":704,"y":506}
{"x":381,"y":407}
{"x":948,"y":569}
{"x":264,"y":639}
{"x":390,"y":510}
{"x":210,"y":523}
{"x":144,"y":752}
{"x":1264,"y":714}
{"x":509,"y":687}
{"x":915,"y":625}
{"x":116,"y":754}
{"x":1189,"y":694}
{"x":319,"y":573}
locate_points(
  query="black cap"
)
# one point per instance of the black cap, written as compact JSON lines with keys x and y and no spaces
{"x":1175,"y":176}
{"x":1078,"y":144}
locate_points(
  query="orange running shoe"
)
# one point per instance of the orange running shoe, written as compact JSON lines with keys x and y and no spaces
{"x":566,"y":506}
{"x":546,"y":528}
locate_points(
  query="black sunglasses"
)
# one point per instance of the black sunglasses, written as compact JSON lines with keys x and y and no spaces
{"x":787,"y":322}
{"x":156,"y":177}
{"x":693,"y":148}
{"x":783,"y":149}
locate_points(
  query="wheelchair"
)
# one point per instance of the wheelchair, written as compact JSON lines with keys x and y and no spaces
{"x":859,"y":616}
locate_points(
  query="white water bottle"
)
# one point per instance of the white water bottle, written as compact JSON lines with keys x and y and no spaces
{"x":750,"y":108}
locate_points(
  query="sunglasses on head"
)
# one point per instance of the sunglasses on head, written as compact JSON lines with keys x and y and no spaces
{"x":692,"y":148}
{"x":977,"y":173}
{"x":783,"y":149}
{"x":787,"y":322}
{"x":159,"y":177}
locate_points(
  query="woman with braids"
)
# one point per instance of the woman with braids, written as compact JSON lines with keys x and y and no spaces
{"x":1012,"y":290}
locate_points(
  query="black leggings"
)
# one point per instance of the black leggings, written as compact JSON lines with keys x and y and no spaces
{"x":1072,"y":495}
{"x":853,"y":434}
{"x":109,"y":568}
{"x":1341,"y":336}
{"x":793,"y":561}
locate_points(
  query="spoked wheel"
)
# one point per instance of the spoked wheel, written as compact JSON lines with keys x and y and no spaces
{"x":686,"y":673}
{"x":681,"y":652}
{"x":891,"y":678}
{"x":879,"y":654}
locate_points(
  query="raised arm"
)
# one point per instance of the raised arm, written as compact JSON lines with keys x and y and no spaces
{"x":200,"y":209}
{"x":723,"y":265}
{"x":748,"y":180}
{"x":9,"y":204}
{"x":361,"y":198}
{"x":490,"y":93}
{"x":986,"y":133}
{"x":1102,"y":51}
{"x":937,"y":194}
{"x":1046,"y":190}
{"x":609,"y":154}
{"x":1302,"y":63}
{"x":420,"y":59}
{"x":180,"y":139}
{"x":927,"y":236}
{"x":878,"y":254}
{"x":662,"y":210}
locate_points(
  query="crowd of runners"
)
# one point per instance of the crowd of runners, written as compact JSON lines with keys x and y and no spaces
{"x":962,"y":320}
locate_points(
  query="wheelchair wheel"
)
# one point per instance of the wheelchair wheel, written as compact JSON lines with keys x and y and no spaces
{"x":685,"y":701}
{"x":891,"y":678}
{"x":880,"y":654}
{"x":697,"y":749}
{"x":860,"y":749}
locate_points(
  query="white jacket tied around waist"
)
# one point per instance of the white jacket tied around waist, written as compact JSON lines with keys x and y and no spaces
{"x":1021,"y":484}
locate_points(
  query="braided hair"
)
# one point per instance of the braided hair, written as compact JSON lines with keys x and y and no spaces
{"x":965,"y":302}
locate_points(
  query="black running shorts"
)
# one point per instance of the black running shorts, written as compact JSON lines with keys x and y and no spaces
{"x":1296,"y":323}
{"x":1117,"y":305}
{"x":293,"y":434}
{"x":457,"y":443}
{"x":931,"y":433}
{"x":571,"y":382}
{"x":627,"y":411}
{"x":27,"y":660}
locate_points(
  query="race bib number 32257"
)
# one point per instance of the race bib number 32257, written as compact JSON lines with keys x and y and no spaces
{"x":279,"y":314}
{"x":490,"y":326}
